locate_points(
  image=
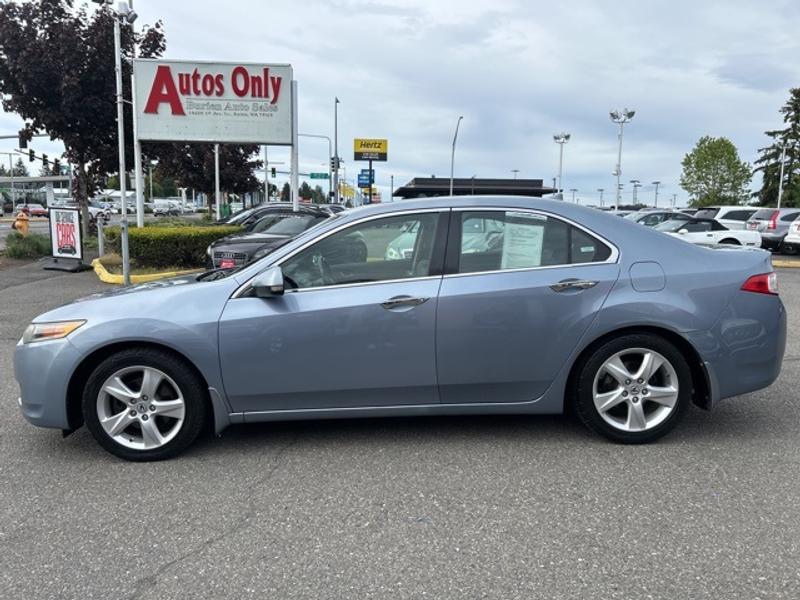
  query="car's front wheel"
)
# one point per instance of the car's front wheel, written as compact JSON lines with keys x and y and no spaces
{"x":144,"y":404}
{"x":633,"y":389}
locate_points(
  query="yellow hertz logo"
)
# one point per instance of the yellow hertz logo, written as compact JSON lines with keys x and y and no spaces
{"x":364,"y":145}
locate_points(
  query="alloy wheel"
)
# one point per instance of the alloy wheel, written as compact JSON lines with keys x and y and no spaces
{"x":635,"y":390}
{"x":140,"y":407}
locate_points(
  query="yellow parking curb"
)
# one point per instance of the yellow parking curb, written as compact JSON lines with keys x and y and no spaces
{"x":106,"y":277}
{"x":786,"y":264}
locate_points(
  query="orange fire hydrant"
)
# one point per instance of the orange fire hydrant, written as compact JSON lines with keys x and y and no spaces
{"x":21,"y":223}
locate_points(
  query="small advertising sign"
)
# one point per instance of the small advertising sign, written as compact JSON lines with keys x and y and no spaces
{"x":371,"y":149}
{"x":65,"y":233}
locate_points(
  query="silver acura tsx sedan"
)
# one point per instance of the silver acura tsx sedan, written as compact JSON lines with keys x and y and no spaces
{"x":470,"y":305}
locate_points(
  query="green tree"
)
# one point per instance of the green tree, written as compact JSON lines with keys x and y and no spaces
{"x":714,"y":174}
{"x":769,"y":161}
{"x":20,"y":169}
{"x":57,"y":73}
{"x":286,"y":193}
{"x":318,"y":196}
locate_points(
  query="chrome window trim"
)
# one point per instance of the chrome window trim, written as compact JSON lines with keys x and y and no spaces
{"x":244,"y":288}
{"x":612,"y":258}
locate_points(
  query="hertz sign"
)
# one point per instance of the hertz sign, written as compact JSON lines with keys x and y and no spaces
{"x":369,"y":149}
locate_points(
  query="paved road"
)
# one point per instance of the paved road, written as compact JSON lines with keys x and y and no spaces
{"x":405,"y":508}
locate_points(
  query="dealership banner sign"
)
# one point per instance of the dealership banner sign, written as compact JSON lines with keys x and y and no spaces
{"x":213,"y":102}
{"x":65,"y":233}
{"x":370,"y":149}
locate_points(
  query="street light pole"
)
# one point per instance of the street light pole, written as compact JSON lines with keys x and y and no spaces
{"x":453,"y":154}
{"x":601,"y":190}
{"x":620,"y":117}
{"x":655,"y":199}
{"x":636,"y":185}
{"x":217,"y":196}
{"x":780,"y":181}
{"x":561,"y":139}
{"x":336,"y":150}
{"x":137,"y":145}
{"x":573,"y":190}
{"x":330,"y":154}
{"x":515,"y":171}
{"x":123,"y":225}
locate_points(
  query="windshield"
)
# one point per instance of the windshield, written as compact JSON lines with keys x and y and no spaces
{"x":293,"y":224}
{"x":239,"y":216}
{"x":706,"y":213}
{"x":671,"y":226}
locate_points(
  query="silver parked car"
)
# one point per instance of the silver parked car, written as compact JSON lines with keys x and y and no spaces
{"x":773,"y":225}
{"x":501,"y":305}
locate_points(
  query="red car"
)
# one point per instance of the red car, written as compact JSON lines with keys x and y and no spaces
{"x":35,"y":210}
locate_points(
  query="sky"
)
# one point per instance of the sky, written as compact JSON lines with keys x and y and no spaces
{"x":518,"y":71}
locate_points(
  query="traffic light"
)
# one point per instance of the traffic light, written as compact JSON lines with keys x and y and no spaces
{"x":44,"y":160}
{"x":31,"y":155}
{"x":273,"y":172}
{"x":336,"y":162}
{"x":56,"y":167}
{"x":23,"y":141}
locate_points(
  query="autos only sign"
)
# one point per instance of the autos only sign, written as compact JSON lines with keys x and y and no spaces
{"x":65,"y":233}
{"x":213,"y":102}
{"x":370,"y":149}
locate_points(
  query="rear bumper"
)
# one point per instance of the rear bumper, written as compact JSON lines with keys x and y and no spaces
{"x":743,"y":352}
{"x":772,"y":241}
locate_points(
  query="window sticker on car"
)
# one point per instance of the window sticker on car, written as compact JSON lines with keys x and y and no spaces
{"x":522,"y":244}
{"x":587,"y":248}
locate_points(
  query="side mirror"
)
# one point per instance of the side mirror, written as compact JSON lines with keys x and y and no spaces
{"x":269,"y":283}
{"x":683,"y":231}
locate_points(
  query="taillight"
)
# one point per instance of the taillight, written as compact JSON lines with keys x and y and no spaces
{"x":765,"y":283}
{"x":773,"y":220}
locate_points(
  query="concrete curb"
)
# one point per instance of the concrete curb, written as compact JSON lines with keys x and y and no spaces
{"x":106,"y":277}
{"x":786,"y":264}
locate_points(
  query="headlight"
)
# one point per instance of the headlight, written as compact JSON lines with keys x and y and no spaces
{"x":39,"y":332}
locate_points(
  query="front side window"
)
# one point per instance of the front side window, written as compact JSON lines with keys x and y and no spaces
{"x":501,"y":240}
{"x":390,"y":248}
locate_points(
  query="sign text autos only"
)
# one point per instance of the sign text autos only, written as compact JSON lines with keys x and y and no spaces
{"x":168,"y":88}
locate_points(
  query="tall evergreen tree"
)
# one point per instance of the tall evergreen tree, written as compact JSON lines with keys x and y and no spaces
{"x":769,"y":161}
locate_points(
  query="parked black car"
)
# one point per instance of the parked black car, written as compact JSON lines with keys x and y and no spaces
{"x":249,"y":216}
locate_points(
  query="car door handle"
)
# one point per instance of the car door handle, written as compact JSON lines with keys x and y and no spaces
{"x":572,"y":284}
{"x":402,"y":301}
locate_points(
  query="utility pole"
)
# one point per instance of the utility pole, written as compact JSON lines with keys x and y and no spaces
{"x":266,"y":175}
{"x":620,"y":117}
{"x":780,"y":182}
{"x":655,"y":198}
{"x":560,"y":139}
{"x":453,"y":154}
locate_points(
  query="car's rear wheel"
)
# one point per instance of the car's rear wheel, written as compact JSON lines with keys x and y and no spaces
{"x":633,"y":389}
{"x":144,"y":404}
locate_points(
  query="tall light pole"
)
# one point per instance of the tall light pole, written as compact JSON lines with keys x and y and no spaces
{"x":453,"y":154}
{"x":573,"y":190}
{"x":515,"y":171}
{"x":674,"y":198}
{"x":561,"y":139}
{"x":129,"y":15}
{"x":780,"y":181}
{"x":655,"y":198}
{"x":601,"y":190}
{"x":620,"y":117}
{"x":391,"y":188}
{"x":336,"y":150}
{"x":636,"y":185}
{"x":330,"y":154}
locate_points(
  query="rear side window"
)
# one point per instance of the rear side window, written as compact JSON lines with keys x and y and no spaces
{"x":738,"y":215}
{"x":765,"y":214}
{"x":706,"y":213}
{"x":789,"y":217}
{"x":502,"y":240}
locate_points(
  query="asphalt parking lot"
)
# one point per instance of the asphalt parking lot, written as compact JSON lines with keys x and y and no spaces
{"x":404,"y":508}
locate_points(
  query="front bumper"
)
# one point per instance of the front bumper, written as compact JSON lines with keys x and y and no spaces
{"x":43,"y":371}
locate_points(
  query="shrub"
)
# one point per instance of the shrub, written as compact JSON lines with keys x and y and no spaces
{"x":33,"y":245}
{"x":183,"y":246}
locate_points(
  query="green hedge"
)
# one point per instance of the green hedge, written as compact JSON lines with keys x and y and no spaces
{"x":33,"y":245}
{"x":169,"y":246}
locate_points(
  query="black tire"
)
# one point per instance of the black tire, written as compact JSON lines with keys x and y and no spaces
{"x":731,"y":241}
{"x":194,"y":393}
{"x":583,"y":399}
